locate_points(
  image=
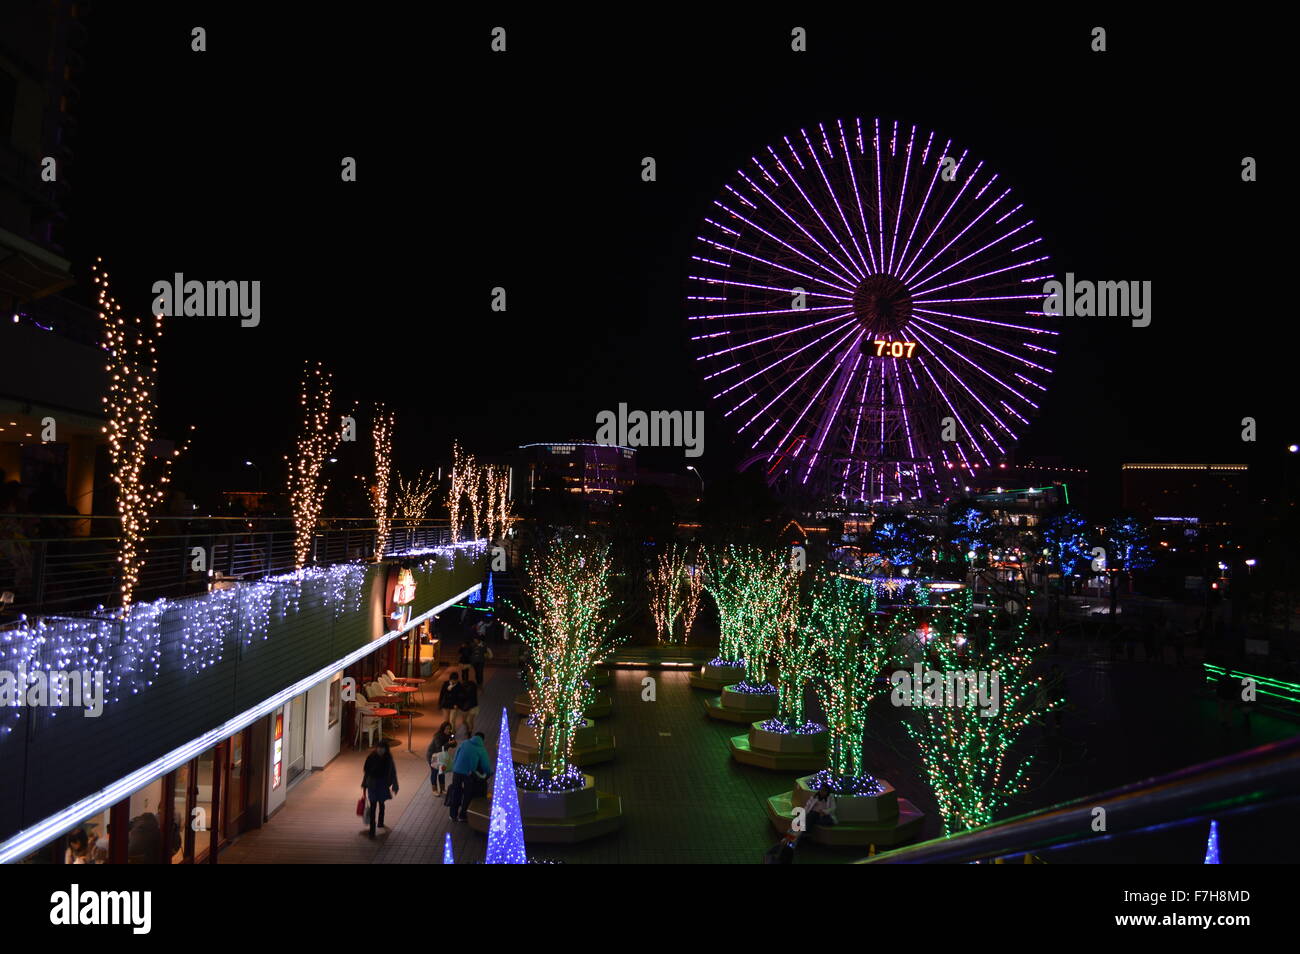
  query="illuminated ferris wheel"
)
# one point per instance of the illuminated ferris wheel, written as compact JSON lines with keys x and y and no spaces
{"x":867,"y":300}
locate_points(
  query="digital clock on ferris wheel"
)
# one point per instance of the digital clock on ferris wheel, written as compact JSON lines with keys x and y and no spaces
{"x":894,"y":349}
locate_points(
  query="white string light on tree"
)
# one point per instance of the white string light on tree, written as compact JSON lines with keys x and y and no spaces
{"x":316,"y":442}
{"x":383,"y":434}
{"x":130,"y":406}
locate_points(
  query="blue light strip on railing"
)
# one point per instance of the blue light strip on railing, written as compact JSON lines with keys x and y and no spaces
{"x":29,"y":839}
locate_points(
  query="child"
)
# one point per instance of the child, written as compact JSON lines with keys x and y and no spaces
{"x":441,"y":764}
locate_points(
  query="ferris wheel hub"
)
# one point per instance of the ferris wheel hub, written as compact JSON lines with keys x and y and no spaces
{"x":882,"y":304}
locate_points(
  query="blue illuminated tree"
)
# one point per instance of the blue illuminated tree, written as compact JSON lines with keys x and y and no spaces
{"x":972,"y":530}
{"x":447,"y":858}
{"x":1212,"y":846}
{"x":1067,"y":542}
{"x":505,"y":828}
{"x":1128,"y":548}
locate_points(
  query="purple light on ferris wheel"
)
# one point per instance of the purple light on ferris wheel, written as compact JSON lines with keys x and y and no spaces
{"x":859,"y":293}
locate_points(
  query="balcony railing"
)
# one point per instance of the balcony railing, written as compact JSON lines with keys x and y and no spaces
{"x":67,"y":573}
{"x":1263,"y":783}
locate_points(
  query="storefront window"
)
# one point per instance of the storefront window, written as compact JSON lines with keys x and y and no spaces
{"x":202,"y":815}
{"x":180,"y":811}
{"x":297,"y":737}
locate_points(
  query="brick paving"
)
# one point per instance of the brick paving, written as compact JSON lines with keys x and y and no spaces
{"x":685,"y":801}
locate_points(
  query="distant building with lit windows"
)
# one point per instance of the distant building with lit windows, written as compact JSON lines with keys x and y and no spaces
{"x":1208,"y":494}
{"x":597,"y":474}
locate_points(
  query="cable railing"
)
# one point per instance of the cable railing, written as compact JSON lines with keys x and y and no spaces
{"x":59,"y":573}
{"x":1266,"y":778}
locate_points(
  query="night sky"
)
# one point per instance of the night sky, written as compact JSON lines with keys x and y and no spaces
{"x":523,"y":170}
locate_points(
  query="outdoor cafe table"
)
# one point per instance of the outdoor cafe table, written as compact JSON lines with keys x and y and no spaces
{"x":405,"y":691}
{"x":381,"y":715}
{"x":409,"y":716}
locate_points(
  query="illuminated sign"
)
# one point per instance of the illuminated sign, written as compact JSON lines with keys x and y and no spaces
{"x":404,"y":591}
{"x":276,"y":763}
{"x":894,"y":349}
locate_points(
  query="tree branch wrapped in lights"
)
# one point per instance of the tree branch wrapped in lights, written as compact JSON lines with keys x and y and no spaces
{"x":966,"y":751}
{"x":568,"y":630}
{"x":852,"y":653}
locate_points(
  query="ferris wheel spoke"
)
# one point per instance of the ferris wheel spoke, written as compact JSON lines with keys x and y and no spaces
{"x":784,"y":391}
{"x":961,"y":382}
{"x":847,"y":279}
{"x":830,"y":190}
{"x":845,"y":273}
{"x":784,"y":268}
{"x":943,"y":216}
{"x":925,"y":201}
{"x":914,"y":269}
{"x":977,"y":366}
{"x":983,"y":344}
{"x":1030,"y":329}
{"x":778,"y":334}
{"x":803,"y":415}
{"x":776,"y":288}
{"x":979,"y":277}
{"x":920,"y":281}
{"x":829,"y":421}
{"x":902,"y":192}
{"x":785,"y":357}
{"x":876,"y":265}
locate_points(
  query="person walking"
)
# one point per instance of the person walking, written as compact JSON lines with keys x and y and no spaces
{"x":464,"y":655}
{"x":468,"y":705}
{"x":479,"y":654}
{"x":443,"y":740}
{"x":469,"y":769}
{"x":379,"y":779}
{"x":449,"y":697}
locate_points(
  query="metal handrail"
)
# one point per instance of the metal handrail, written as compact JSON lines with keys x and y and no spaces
{"x":70,"y":573}
{"x":1245,"y":780}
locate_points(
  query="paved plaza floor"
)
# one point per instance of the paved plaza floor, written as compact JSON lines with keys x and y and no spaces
{"x":685,"y":801}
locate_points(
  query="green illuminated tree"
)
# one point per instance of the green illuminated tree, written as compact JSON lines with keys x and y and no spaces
{"x":568,"y":629}
{"x":966,"y":741}
{"x":851,"y":652}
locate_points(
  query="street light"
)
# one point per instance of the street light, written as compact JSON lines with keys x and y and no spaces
{"x":697,"y":474}
{"x":249,"y":463}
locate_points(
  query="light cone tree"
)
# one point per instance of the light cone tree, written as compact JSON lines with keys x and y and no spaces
{"x":505,"y":828}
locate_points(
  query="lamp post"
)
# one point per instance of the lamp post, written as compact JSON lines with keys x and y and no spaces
{"x":697,"y":474}
{"x":249,"y":463}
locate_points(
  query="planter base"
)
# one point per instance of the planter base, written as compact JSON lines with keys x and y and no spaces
{"x":743,"y":752}
{"x":601,"y":749}
{"x":882,"y":820}
{"x":699,"y":681}
{"x":714,"y":709}
{"x":608,"y":817}
{"x":896,"y":831}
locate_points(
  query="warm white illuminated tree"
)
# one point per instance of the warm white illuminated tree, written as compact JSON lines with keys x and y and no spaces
{"x":131,"y":406}
{"x":456,"y":480}
{"x":316,"y":441}
{"x":415,"y":498}
{"x":382,"y":429}
{"x":664,"y":588}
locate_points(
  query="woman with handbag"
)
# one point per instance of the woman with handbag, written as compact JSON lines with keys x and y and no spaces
{"x":379,"y":780}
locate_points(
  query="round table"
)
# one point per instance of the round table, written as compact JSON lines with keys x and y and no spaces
{"x":381,"y":714}
{"x":404,"y":691}
{"x":410,"y":722}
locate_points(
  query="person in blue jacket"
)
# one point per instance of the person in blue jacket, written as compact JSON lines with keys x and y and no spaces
{"x":469,"y":772}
